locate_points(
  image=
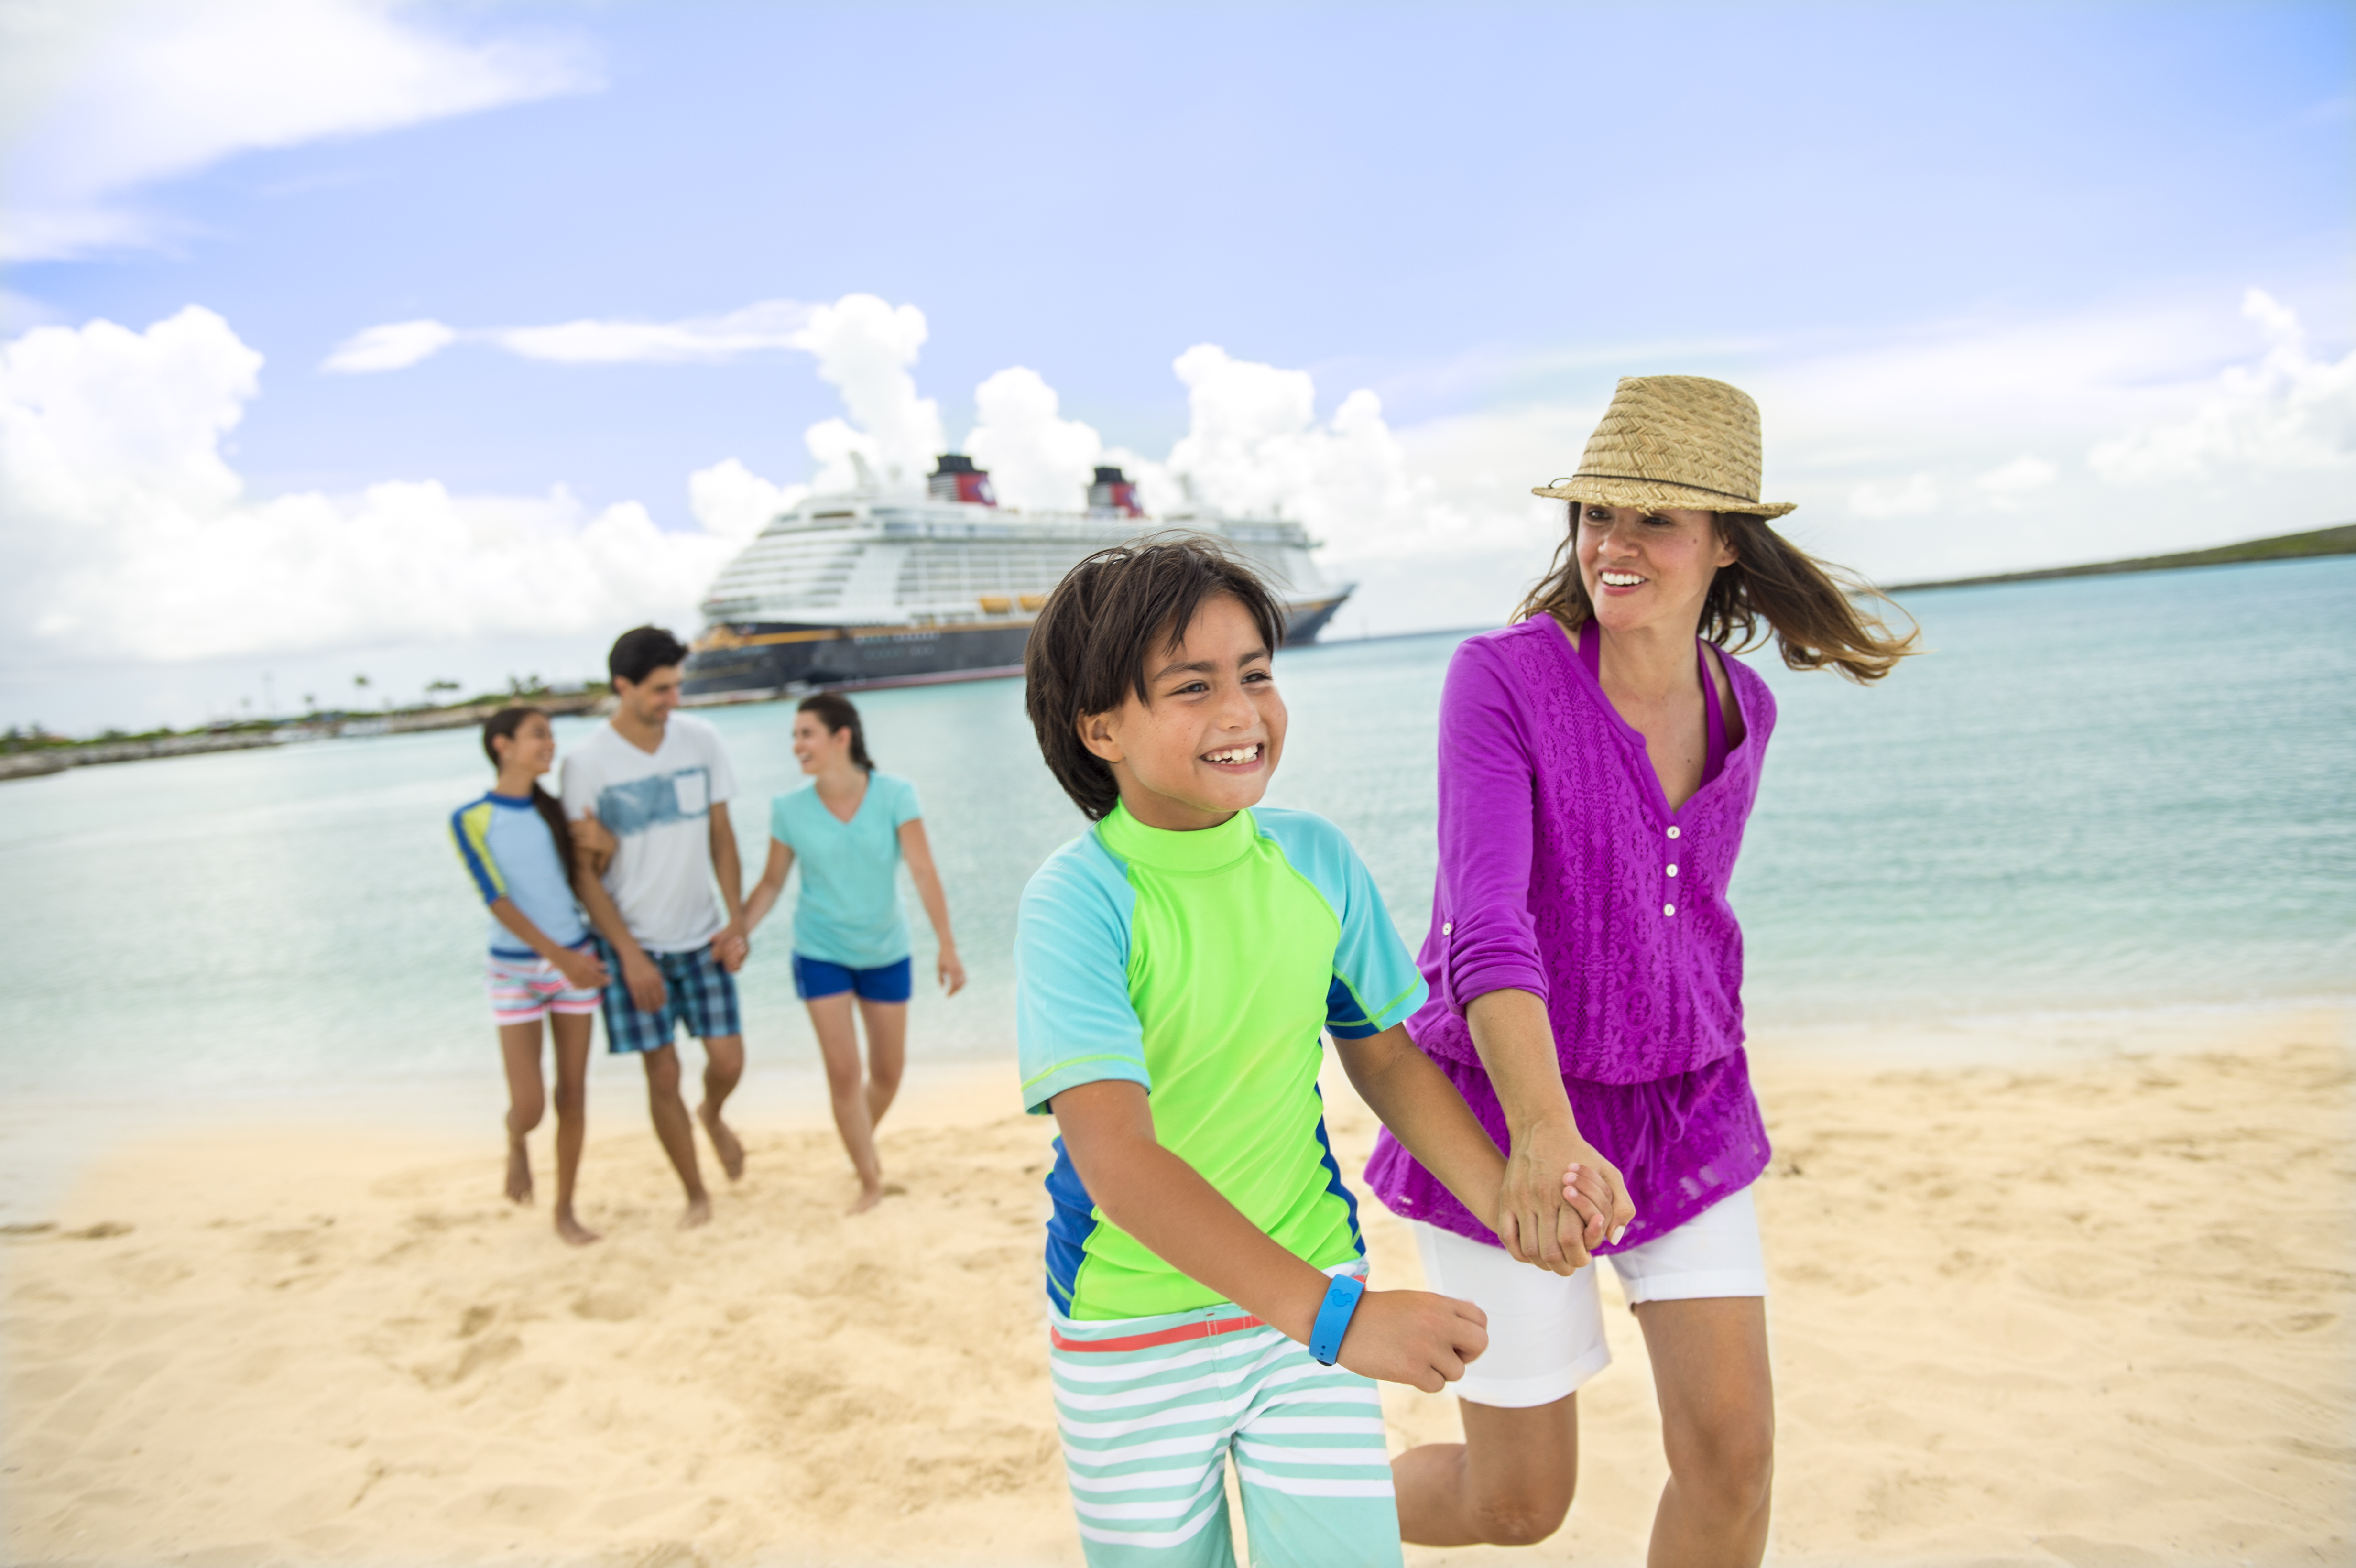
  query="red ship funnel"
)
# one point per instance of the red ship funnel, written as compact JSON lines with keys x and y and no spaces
{"x":955,"y":478}
{"x":1113,"y":496}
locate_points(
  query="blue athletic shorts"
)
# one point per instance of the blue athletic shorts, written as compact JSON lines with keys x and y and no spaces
{"x":697,"y":992}
{"x":815,"y":977}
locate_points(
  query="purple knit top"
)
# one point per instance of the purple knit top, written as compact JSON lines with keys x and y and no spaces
{"x":1563,"y":872}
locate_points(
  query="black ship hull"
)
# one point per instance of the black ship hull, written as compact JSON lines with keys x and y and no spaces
{"x":747,"y":660}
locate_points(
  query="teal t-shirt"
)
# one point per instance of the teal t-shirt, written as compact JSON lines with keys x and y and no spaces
{"x":1204,"y":967}
{"x":850,"y":909}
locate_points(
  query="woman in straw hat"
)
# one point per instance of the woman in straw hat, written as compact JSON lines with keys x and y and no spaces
{"x":1597,"y":764}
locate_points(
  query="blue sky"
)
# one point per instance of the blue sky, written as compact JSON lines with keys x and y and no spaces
{"x":1958,"y":252}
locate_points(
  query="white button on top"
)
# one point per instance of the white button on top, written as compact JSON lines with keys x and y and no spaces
{"x":1668,"y":909}
{"x":1447,"y":928}
{"x":1672,"y":833}
{"x":1672,"y":870}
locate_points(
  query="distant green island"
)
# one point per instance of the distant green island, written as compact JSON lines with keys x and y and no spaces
{"x":2338,"y":539}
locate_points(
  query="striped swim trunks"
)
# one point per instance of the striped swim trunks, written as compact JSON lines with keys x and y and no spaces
{"x":526,"y":989}
{"x":1149,"y":1409}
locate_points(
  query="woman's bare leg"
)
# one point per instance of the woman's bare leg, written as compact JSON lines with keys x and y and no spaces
{"x":572,"y":1034}
{"x":520,"y":1052}
{"x":1717,"y":1423}
{"x":837,"y":1045}
{"x":1509,"y":1483}
{"x":887,"y":1054}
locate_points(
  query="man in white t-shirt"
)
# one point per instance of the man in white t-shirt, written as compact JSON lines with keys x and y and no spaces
{"x":649,"y":796}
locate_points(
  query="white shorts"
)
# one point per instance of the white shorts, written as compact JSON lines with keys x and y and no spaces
{"x":1546,"y":1332}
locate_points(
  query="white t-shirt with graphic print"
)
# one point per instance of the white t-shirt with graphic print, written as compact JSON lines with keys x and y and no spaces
{"x":658,"y":805}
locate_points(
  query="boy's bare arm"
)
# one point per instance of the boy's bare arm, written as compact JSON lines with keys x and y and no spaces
{"x":1404,"y":1336}
{"x":1415,"y":1100}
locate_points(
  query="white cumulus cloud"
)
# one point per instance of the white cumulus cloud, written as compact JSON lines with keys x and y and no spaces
{"x":108,"y":97}
{"x":735,"y":503}
{"x":1254,"y":444}
{"x":125,"y":535}
{"x":2286,"y":410}
{"x":1037,"y":460}
{"x":864,"y":348}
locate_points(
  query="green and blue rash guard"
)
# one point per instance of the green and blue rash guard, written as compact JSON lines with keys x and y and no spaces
{"x":1204,"y":967}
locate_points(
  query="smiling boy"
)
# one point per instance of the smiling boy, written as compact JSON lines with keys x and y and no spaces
{"x":1176,"y":966}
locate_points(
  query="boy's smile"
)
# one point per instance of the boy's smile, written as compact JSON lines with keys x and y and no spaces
{"x":1203,"y":746}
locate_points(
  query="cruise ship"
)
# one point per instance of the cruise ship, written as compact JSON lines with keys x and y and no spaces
{"x":877,"y":588}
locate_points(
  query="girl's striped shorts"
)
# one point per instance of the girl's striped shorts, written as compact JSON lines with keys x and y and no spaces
{"x":1150,"y":1408}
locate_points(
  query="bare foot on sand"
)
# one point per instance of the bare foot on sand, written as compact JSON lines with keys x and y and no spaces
{"x":518,"y":1172}
{"x":871,"y":1196}
{"x":723,"y":1141}
{"x":574,"y":1232}
{"x":699,"y":1213}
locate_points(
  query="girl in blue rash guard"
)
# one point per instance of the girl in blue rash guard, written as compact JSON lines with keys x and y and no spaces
{"x":851,"y":827}
{"x":515,"y":844}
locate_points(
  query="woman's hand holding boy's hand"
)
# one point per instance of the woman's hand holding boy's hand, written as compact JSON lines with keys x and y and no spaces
{"x":1537,"y":1220}
{"x":1414,"y":1337}
{"x":1595,"y":1189}
{"x":1587,"y":1190}
{"x":582,"y":971}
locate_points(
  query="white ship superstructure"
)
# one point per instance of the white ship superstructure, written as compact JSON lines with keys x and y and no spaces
{"x":873,"y":586}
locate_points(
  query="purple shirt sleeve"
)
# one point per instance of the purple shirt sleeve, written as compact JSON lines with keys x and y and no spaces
{"x":1486,"y":940}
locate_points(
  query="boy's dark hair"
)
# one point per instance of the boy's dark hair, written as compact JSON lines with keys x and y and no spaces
{"x":642,"y":650}
{"x":1106,"y":619}
{"x":503,"y":726}
{"x":834,"y":710}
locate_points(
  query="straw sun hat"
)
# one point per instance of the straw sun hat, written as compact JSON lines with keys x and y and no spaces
{"x":1673,"y":441}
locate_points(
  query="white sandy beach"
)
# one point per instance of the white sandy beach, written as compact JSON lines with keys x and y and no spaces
{"x":2094,"y":1313}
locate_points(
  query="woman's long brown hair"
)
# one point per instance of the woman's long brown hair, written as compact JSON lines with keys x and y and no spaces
{"x":1810,"y":605}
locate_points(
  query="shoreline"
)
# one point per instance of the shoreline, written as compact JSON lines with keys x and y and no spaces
{"x":2311,"y":544}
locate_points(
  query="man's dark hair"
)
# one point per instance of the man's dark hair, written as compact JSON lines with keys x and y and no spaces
{"x":1107,"y":617}
{"x":642,"y":650}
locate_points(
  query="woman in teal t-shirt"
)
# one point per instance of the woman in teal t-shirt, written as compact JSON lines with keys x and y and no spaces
{"x":851,"y":827}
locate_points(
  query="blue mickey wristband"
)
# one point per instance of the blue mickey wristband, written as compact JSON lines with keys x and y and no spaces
{"x":1334,"y":1318}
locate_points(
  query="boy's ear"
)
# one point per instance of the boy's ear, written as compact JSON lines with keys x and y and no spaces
{"x":1094,"y":731}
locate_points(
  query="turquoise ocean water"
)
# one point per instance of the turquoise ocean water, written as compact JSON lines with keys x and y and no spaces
{"x":2102,"y":793}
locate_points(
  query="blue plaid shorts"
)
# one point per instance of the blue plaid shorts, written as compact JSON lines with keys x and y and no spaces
{"x":697,"y":992}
